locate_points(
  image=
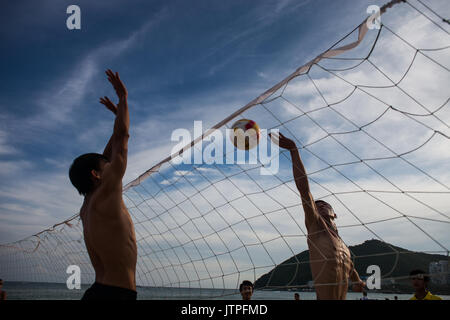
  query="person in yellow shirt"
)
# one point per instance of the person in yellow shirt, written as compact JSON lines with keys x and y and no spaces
{"x":420,"y":281}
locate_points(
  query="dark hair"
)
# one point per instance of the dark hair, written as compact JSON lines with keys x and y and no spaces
{"x":419,"y":272}
{"x":245,"y":283}
{"x":321,"y":201}
{"x":80,"y":171}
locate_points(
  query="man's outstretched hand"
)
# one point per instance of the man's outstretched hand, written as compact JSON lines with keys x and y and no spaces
{"x":119,"y":138}
{"x":109,"y":104}
{"x":284,"y":142}
{"x":118,"y":85}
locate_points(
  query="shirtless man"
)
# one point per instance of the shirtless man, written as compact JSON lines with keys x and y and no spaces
{"x":330,"y":259}
{"x":107,"y":226}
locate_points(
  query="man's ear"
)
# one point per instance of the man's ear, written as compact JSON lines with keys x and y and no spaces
{"x":95,"y":174}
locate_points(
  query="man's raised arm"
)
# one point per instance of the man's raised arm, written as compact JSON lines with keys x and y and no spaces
{"x":301,"y":181}
{"x":117,"y":147}
{"x":107,"y":152}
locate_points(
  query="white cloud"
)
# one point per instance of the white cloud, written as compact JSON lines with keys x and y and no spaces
{"x":5,"y":147}
{"x":58,"y":103}
{"x":36,"y":202}
{"x":12,"y":168}
{"x":262,"y":75}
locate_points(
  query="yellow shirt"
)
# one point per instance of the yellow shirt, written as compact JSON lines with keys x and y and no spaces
{"x":429,"y":296}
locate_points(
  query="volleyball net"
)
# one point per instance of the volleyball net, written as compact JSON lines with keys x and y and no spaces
{"x":370,"y":117}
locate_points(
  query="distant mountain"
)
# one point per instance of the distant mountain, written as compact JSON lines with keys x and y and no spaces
{"x":393,"y":262}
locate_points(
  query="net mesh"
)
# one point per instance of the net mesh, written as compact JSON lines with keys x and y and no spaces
{"x":370,"y":117}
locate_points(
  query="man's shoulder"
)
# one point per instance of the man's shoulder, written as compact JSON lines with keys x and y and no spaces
{"x":317,"y":226}
{"x":106,"y":191}
{"x":431,"y":296}
{"x":101,"y":203}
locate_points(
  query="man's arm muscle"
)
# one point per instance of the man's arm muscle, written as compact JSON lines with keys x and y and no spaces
{"x":118,"y":144}
{"x":312,"y":217}
{"x":302,"y":183}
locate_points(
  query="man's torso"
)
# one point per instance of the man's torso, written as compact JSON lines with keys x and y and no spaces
{"x":110,"y":241}
{"x":330,"y":262}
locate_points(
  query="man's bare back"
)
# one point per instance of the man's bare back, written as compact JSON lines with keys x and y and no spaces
{"x":330,"y":260}
{"x":107,"y":226}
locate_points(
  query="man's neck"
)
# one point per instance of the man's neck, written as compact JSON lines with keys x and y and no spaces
{"x":421,"y":293}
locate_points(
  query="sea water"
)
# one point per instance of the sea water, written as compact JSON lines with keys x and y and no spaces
{"x":59,"y":291}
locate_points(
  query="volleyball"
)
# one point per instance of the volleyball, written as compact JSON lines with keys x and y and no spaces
{"x":245,"y":134}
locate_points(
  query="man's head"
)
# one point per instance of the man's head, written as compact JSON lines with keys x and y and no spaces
{"x":246,"y":290}
{"x":325,"y":210}
{"x":296,"y":296}
{"x":419,"y":279}
{"x":327,"y":213}
{"x":86,"y":172}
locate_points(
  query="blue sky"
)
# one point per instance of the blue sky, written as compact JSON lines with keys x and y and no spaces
{"x":180,"y":60}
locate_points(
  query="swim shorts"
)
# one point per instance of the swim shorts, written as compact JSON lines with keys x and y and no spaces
{"x":100,"y":291}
